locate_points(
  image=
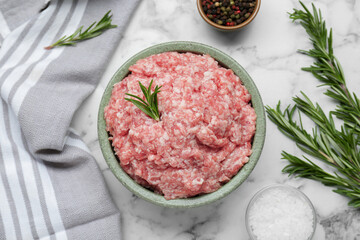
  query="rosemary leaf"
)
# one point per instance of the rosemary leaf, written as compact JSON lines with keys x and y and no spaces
{"x":91,"y":32}
{"x":150,"y":106}
{"x":337,"y":148}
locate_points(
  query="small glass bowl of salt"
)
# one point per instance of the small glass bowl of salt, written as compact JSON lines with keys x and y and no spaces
{"x":280,"y":212}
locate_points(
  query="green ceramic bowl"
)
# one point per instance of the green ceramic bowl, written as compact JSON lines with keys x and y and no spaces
{"x":235,"y":182}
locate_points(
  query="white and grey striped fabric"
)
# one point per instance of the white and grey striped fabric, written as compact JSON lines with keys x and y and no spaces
{"x":50,"y":186}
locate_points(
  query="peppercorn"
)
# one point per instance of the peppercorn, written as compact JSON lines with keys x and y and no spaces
{"x":228,"y":12}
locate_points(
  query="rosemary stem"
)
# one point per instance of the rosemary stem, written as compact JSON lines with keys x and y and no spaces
{"x":337,"y":148}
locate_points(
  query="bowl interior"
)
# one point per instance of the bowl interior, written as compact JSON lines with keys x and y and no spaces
{"x":244,"y":172}
{"x":228,"y":28}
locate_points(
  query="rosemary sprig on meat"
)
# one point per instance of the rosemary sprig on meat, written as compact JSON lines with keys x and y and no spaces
{"x":150,"y":106}
{"x":338,"y":148}
{"x":91,"y":32}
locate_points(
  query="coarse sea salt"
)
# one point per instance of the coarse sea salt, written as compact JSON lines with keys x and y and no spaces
{"x":280,"y":213}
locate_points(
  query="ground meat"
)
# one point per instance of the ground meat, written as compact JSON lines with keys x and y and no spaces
{"x":206,"y":128}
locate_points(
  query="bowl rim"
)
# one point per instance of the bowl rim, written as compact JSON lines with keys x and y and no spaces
{"x":229,"y":28}
{"x":258,"y":140}
{"x":282,"y":186}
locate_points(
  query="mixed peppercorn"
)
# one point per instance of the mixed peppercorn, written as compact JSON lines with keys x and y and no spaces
{"x":228,"y":12}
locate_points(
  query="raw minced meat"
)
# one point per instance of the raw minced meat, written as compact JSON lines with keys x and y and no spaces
{"x":205,"y":132}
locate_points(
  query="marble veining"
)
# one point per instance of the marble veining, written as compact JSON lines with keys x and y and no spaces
{"x":348,"y":219}
{"x":267,"y":49}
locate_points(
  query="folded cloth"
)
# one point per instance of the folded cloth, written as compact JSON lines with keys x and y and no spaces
{"x":50,"y":185}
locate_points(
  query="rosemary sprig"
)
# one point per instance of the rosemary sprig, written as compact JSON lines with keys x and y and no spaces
{"x":91,"y":32}
{"x":337,"y":148}
{"x":150,"y":106}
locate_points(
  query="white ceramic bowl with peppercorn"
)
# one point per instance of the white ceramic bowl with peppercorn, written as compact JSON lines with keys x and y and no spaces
{"x":228,"y":15}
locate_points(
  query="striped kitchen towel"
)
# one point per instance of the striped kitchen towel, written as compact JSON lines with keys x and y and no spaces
{"x":50,"y":185}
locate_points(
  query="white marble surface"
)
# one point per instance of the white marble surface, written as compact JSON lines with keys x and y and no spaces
{"x":267,"y":50}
